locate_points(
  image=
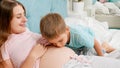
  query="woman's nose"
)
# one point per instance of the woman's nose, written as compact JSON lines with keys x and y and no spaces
{"x":24,"y":19}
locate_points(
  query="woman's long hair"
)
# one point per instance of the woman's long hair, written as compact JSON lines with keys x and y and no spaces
{"x":6,"y":15}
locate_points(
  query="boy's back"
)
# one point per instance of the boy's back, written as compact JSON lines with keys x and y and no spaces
{"x":80,"y":37}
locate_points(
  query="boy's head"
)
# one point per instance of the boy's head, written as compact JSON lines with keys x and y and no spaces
{"x":54,"y":29}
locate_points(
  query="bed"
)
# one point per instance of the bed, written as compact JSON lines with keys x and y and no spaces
{"x":109,"y":12}
{"x":101,"y":29}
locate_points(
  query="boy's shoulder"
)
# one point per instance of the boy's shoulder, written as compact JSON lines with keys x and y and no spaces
{"x":77,"y":29}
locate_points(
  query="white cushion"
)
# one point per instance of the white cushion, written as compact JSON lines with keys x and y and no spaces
{"x":113,"y":9}
{"x":100,"y":8}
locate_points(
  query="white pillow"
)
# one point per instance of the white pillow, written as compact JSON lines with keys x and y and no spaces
{"x":100,"y":28}
{"x":100,"y":8}
{"x":117,"y":4}
{"x":113,"y":9}
{"x":115,"y":40}
{"x":75,"y":20}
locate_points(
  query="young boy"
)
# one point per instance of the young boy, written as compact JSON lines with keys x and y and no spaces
{"x":79,"y":38}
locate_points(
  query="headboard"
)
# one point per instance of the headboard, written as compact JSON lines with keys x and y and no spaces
{"x":36,"y":9}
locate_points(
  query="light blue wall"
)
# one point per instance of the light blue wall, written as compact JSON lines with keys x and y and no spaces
{"x":36,"y":9}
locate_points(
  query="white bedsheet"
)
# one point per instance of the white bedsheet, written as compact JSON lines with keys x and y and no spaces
{"x":95,"y":62}
{"x":103,"y":62}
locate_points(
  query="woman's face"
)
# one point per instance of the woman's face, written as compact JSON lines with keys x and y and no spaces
{"x":18,"y":22}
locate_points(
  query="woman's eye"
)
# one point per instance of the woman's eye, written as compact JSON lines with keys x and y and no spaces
{"x":18,"y":17}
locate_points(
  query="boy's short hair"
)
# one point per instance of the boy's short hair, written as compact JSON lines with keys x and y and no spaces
{"x":52,"y":25}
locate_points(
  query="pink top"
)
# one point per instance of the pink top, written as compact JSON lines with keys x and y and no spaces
{"x":18,"y":46}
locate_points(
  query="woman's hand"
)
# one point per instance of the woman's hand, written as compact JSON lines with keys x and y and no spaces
{"x":44,"y":42}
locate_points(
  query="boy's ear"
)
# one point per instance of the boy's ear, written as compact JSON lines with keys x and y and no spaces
{"x":67,"y":28}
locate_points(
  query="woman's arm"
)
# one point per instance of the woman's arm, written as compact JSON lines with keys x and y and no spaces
{"x":98,"y":48}
{"x":5,"y":64}
{"x":29,"y":62}
{"x":1,"y":64}
{"x":36,"y":53}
